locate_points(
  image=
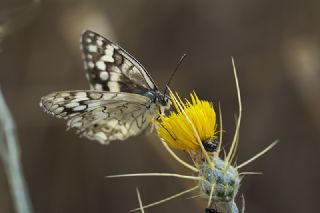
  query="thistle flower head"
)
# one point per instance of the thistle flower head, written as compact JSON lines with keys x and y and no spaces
{"x":176,"y":130}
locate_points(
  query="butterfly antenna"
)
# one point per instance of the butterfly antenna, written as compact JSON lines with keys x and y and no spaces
{"x":174,"y":72}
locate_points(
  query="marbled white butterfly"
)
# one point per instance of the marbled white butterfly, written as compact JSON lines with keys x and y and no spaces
{"x":123,"y":98}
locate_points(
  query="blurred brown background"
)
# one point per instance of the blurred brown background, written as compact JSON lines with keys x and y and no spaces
{"x":276,"y":48}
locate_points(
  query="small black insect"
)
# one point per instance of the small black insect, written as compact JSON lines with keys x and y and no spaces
{"x":211,"y":146}
{"x":209,"y":210}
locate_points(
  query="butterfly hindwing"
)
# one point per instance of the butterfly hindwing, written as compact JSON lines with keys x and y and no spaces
{"x":111,"y":68}
{"x":101,"y":116}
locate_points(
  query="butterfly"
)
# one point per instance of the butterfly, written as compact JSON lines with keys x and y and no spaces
{"x":122,"y":100}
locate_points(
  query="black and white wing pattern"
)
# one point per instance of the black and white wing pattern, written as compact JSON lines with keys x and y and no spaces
{"x":101,"y":116}
{"x":123,"y":98}
{"x":111,"y":68}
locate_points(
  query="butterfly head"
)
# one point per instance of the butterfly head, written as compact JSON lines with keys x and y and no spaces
{"x":158,"y":97}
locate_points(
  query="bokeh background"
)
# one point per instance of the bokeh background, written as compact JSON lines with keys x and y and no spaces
{"x":277,"y":52}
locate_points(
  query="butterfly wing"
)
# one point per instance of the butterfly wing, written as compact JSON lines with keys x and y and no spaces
{"x":102,"y":116}
{"x":111,"y":68}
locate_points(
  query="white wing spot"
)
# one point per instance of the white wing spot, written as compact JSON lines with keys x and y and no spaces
{"x":95,"y":95}
{"x":90,"y":64}
{"x":101,"y":65}
{"x":77,"y":125}
{"x":99,"y":42}
{"x":64,"y":94}
{"x":88,"y":40}
{"x":101,"y":137}
{"x":80,"y":108}
{"x":104,"y":75}
{"x":72,"y":104}
{"x":113,"y":86}
{"x":98,"y":86}
{"x":63,"y":115}
{"x":58,"y":110}
{"x":93,"y":48}
{"x":54,"y":107}
{"x":96,"y":104}
{"x":114,"y":76}
{"x":108,"y":53}
{"x":80,"y":94}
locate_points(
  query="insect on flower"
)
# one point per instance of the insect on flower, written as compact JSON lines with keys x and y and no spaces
{"x":122,"y":100}
{"x":176,"y":130}
{"x":209,"y":210}
{"x":189,"y":128}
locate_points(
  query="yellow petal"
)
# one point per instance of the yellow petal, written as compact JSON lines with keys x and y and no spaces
{"x":177,"y":131}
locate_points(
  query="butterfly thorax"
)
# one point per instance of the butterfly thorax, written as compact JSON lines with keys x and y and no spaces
{"x":157,"y":97}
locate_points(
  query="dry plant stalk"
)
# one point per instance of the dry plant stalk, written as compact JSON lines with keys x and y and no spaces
{"x":10,"y":156}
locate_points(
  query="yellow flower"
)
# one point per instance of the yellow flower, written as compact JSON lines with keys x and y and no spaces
{"x":176,"y":130}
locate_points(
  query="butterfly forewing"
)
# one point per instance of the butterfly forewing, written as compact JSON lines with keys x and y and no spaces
{"x":111,"y":68}
{"x":102,"y":116}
